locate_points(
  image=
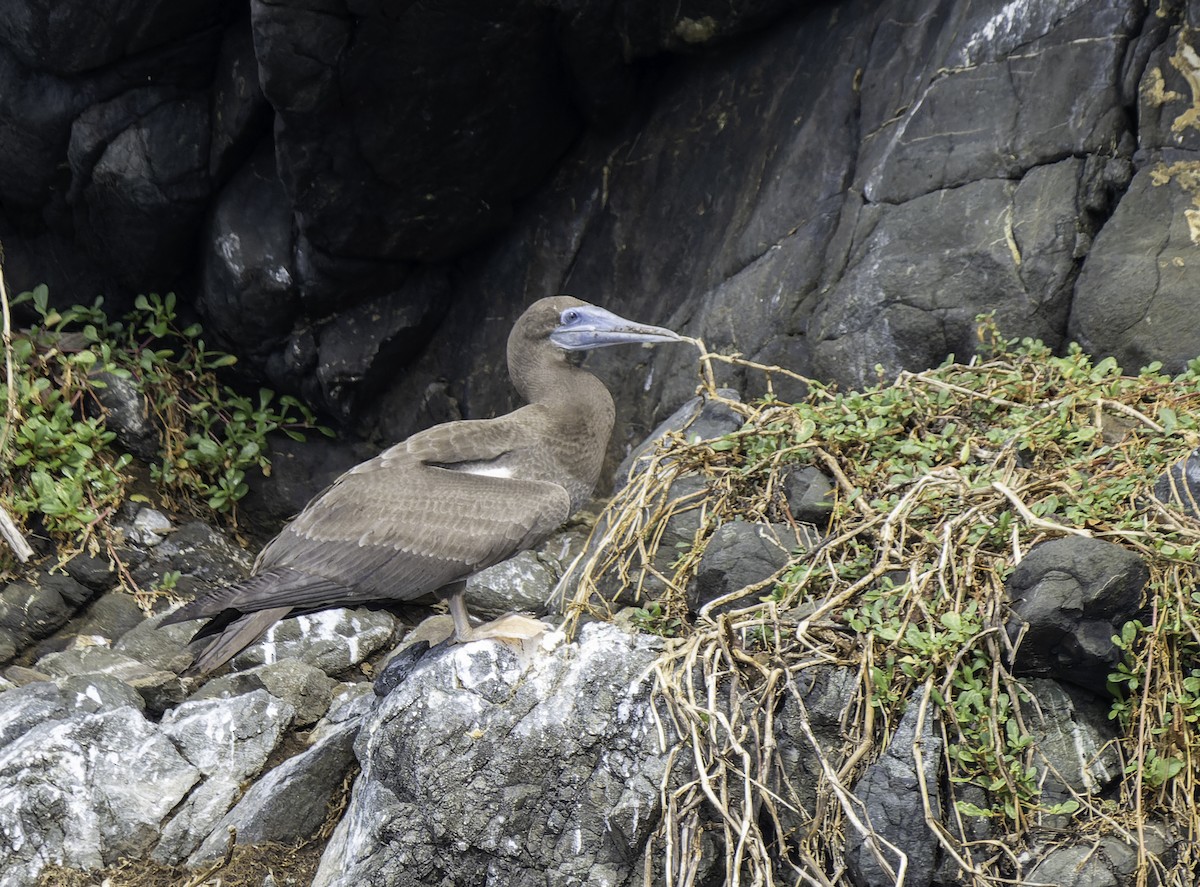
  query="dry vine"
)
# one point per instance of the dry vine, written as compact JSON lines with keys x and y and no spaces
{"x":907,"y":589}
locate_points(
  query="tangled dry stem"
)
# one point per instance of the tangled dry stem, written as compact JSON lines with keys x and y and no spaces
{"x":946,"y":536}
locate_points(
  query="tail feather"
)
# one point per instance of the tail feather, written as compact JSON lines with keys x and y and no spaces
{"x":234,"y":636}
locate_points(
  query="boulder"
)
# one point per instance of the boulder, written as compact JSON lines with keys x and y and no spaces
{"x":1070,"y":597}
{"x":487,"y":764}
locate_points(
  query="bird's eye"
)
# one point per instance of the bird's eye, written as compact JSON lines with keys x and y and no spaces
{"x":570,"y":316}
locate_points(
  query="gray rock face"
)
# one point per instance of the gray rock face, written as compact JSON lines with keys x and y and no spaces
{"x":1108,"y":862}
{"x":738,"y":555}
{"x":485,"y":767}
{"x":1180,"y":485}
{"x":290,"y":802}
{"x":809,"y":495}
{"x":1075,"y":740}
{"x":891,"y":793}
{"x":67,"y":796}
{"x":1072,"y":595}
{"x":228,"y":741}
{"x":332,"y":640}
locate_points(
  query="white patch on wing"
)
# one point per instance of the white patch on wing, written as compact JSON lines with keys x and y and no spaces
{"x":487,"y":470}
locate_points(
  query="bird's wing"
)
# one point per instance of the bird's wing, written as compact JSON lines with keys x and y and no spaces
{"x":470,"y":440}
{"x":399,"y":529}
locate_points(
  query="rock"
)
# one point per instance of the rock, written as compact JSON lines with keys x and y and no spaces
{"x":150,"y":526}
{"x":159,"y":688}
{"x":1132,"y":296}
{"x":304,"y":687}
{"x":30,"y":612}
{"x":1071,"y":596}
{"x":290,"y":802}
{"x":68,"y":793}
{"x":1076,"y":741}
{"x":248,"y":298}
{"x":680,"y":505}
{"x":890,"y":790}
{"x":70,"y":39}
{"x":824,"y":692}
{"x":809,"y":494}
{"x":139,"y":170}
{"x":228,"y":741}
{"x":27,"y":706}
{"x":90,"y":693}
{"x":433,"y":191}
{"x":241,"y":115}
{"x":739,"y":555}
{"x":201,"y":555}
{"x":357,"y":348}
{"x":333,"y":640}
{"x":97,"y":573}
{"x":1180,"y":485}
{"x":127,"y":414}
{"x":157,"y":647}
{"x":525,"y":582}
{"x":484,"y":764}
{"x":104,"y":621}
{"x":698,"y":419}
{"x":1106,"y":861}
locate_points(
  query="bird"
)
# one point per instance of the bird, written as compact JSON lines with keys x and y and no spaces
{"x":454,"y":499}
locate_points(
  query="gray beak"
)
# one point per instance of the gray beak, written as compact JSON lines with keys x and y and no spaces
{"x":590,"y":327}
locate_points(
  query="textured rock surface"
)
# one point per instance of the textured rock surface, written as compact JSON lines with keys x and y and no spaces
{"x":485,"y":766}
{"x":848,"y":187}
{"x":1071,"y":596}
{"x":891,"y":793}
{"x":1075,"y":740}
{"x":739,"y":555}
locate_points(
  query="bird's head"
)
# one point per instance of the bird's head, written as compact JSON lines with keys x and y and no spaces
{"x":574,"y":325}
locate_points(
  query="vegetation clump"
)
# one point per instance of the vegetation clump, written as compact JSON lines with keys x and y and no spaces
{"x":945,"y":479}
{"x":64,"y":470}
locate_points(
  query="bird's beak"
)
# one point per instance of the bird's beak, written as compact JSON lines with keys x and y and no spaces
{"x":593,"y":327}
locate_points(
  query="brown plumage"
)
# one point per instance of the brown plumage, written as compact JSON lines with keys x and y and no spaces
{"x":446,"y":503}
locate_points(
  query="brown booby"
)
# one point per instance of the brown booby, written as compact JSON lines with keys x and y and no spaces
{"x":430,"y":511}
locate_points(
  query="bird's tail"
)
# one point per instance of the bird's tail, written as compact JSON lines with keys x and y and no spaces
{"x":231,"y":638}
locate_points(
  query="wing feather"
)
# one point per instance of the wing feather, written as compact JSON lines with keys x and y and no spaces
{"x":405,"y":531}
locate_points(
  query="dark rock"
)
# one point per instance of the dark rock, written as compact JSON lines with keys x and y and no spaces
{"x":31,"y":612}
{"x":104,"y":621}
{"x":96,"y":692}
{"x":1075,"y":739}
{"x":360,"y":348}
{"x":157,"y":647}
{"x":1072,"y":595}
{"x":400,"y":666}
{"x":575,"y":798}
{"x":1180,"y":485}
{"x":139,"y":182}
{"x":809,"y":494}
{"x":201,"y":555}
{"x":680,"y":504}
{"x":739,"y":555}
{"x":482,"y":132}
{"x":1133,"y":294}
{"x":97,"y":573}
{"x":1019,"y":261}
{"x":127,"y":414}
{"x":241,"y":116}
{"x":698,"y":419}
{"x":248,"y":293}
{"x":290,"y":802}
{"x":820,"y":707}
{"x":68,"y":38}
{"x":891,"y":793}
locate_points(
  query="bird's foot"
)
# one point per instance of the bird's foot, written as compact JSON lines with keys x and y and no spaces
{"x":513,"y":627}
